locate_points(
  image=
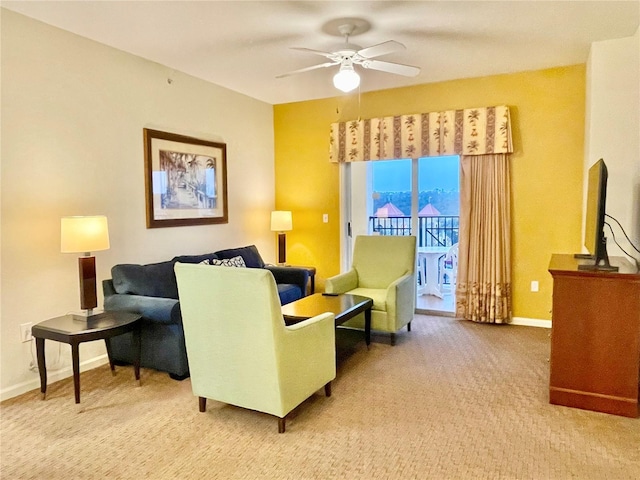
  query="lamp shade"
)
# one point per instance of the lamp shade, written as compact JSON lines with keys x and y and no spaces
{"x":84,"y":234}
{"x":346,"y":79}
{"x":281,"y":221}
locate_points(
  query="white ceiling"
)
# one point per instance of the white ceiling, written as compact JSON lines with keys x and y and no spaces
{"x":243,"y":45}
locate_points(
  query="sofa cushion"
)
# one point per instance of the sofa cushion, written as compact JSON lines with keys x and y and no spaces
{"x":229,"y":262}
{"x":249,"y":254}
{"x":152,"y":280}
{"x":288,"y":292}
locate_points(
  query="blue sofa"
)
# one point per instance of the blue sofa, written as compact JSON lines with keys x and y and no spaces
{"x":151,"y":290}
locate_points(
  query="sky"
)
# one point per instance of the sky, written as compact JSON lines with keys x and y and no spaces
{"x":433,"y":172}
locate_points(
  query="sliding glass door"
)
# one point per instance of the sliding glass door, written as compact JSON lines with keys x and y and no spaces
{"x":409,"y":197}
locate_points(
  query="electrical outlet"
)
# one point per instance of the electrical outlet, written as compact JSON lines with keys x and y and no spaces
{"x":25,"y":332}
{"x":325,"y":217}
{"x":534,"y":286}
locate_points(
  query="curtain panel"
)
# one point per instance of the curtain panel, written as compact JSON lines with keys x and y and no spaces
{"x":483,"y":287}
{"x":472,"y":131}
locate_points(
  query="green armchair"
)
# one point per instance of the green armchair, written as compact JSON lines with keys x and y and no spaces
{"x":240,"y":351}
{"x":383,"y":269}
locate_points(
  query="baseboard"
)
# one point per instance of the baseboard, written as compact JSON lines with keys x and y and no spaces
{"x":531,"y":322}
{"x":52,"y":377}
{"x":522,"y":321}
{"x":436,"y":313}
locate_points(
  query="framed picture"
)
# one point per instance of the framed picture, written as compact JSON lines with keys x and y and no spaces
{"x":185,"y":180}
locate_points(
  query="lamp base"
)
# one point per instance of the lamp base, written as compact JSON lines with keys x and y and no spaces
{"x":84,"y":315}
{"x":88,"y":295}
{"x":282,"y":248}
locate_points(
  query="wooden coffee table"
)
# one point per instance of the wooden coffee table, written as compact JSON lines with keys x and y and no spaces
{"x":75,"y":329}
{"x":343,"y":306}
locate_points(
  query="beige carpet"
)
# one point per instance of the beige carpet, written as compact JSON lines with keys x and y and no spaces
{"x":453,"y":400}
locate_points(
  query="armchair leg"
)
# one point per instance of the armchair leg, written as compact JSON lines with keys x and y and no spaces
{"x":202,"y":404}
{"x":409,"y":327}
{"x":393,"y":339}
{"x":327,"y":389}
{"x":281,"y":422}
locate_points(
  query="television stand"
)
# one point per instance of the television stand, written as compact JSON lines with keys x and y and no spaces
{"x":595,"y":337}
{"x":593,"y":267}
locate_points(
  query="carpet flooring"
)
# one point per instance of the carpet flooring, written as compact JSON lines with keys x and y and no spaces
{"x":452,"y":400}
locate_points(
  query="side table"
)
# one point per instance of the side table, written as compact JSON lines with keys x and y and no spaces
{"x":75,"y":329}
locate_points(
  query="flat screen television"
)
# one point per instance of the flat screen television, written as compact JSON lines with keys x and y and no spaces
{"x":594,"y":237}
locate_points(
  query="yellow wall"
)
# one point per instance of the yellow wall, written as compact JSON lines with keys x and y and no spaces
{"x":548,"y":117}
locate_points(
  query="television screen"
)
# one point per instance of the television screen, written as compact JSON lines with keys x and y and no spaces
{"x":594,"y":238}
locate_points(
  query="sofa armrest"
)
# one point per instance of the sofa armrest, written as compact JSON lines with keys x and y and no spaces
{"x":154,"y":309}
{"x":292,"y":275}
{"x":341,"y":283}
{"x":108,"y":288}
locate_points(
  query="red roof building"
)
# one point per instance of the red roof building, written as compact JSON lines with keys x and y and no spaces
{"x":389,"y":210}
{"x":428,"y":211}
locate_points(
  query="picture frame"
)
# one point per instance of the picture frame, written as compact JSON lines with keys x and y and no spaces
{"x":185,"y":180}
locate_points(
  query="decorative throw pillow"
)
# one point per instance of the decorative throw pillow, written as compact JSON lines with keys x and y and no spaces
{"x":229,"y":262}
{"x":249,"y":254}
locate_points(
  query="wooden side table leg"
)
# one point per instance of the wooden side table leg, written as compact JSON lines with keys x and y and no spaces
{"x":137,"y":345}
{"x":107,"y":342}
{"x":75,"y":359}
{"x":42,"y":366}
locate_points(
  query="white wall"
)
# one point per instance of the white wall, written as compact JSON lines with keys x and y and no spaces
{"x":613,"y":131}
{"x":72,"y":117}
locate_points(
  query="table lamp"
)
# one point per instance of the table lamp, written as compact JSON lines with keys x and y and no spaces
{"x":281,"y":222}
{"x":85,"y":234}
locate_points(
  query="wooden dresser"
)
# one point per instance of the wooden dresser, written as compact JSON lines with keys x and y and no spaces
{"x":595,"y":337}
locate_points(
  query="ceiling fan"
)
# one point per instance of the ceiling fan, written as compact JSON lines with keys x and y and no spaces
{"x":348,"y":55}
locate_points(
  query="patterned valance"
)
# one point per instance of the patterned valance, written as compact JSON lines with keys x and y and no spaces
{"x":472,"y":131}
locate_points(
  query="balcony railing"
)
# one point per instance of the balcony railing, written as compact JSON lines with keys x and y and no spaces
{"x":433,"y":231}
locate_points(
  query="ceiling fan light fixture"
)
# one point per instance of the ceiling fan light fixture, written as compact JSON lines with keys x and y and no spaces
{"x":346,"y":79}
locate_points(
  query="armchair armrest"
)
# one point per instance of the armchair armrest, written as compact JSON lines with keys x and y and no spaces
{"x":154,"y":309}
{"x":401,"y":299}
{"x":342,"y":283}
{"x":314,"y":337}
{"x":292,"y":275}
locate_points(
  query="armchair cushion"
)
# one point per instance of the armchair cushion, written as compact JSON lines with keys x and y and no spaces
{"x":378,"y":295}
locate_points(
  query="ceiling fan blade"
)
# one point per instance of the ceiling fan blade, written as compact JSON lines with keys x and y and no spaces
{"x":307,"y":69}
{"x":317,"y":52}
{"x":397,"y":68}
{"x":381,"y":49}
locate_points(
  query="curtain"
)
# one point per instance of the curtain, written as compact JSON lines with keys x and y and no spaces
{"x":483,"y":290}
